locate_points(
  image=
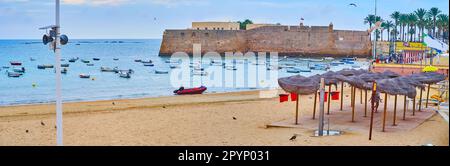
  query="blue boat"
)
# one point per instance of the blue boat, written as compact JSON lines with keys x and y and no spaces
{"x":293,"y":70}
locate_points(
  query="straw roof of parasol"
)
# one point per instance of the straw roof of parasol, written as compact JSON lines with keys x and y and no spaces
{"x":395,"y":86}
{"x":351,"y":72}
{"x":299,"y":84}
{"x":355,"y":81}
{"x":428,"y":77}
{"x":390,"y":74}
{"x":329,"y":77}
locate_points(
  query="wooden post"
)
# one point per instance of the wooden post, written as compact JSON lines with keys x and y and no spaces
{"x":360,"y":96}
{"x":428,"y":95}
{"x":296,"y":110}
{"x":374,"y":92}
{"x":414,"y":106}
{"x":342,"y":94}
{"x":384,"y":113}
{"x":329,"y":99}
{"x":404,"y":108}
{"x":420,"y":101}
{"x":353,"y":108}
{"x":351,"y":96}
{"x":395,"y":110}
{"x":365,"y":103}
{"x":315,"y":101}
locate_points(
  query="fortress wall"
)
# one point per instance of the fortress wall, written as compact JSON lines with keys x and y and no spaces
{"x":288,"y":40}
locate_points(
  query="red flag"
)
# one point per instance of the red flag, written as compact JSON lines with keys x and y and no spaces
{"x":284,"y":97}
{"x":293,"y":97}
{"x":335,"y":95}
{"x":326,"y":96}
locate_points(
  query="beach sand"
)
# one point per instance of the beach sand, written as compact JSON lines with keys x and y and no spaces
{"x":199,"y":120}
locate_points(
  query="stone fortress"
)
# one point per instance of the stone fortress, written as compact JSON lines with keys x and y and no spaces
{"x":299,"y":40}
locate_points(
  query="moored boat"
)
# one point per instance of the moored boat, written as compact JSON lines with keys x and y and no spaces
{"x":85,"y":61}
{"x":85,"y":76}
{"x":15,"y":63}
{"x":137,"y":60}
{"x":148,"y":64}
{"x":44,"y":66}
{"x":107,"y":69}
{"x":124,"y":74}
{"x":90,"y":64}
{"x":161,"y":72}
{"x":14,"y":74}
{"x":200,"y":73}
{"x":65,"y":65}
{"x":19,"y":70}
{"x":64,"y":71}
{"x":293,"y":70}
{"x":73,"y":60}
{"x":190,"y":91}
{"x":96,"y":59}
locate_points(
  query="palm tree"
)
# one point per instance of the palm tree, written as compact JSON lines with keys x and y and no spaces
{"x":396,"y":17}
{"x":442,"y":24}
{"x":388,"y":25}
{"x":434,"y":12}
{"x":412,"y":20}
{"x":420,"y":13}
{"x":403,"y":21}
{"x":370,"y":19}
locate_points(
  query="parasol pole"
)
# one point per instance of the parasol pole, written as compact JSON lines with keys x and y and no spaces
{"x":365,"y":103}
{"x":395,"y":110}
{"x":414,"y":106}
{"x":314,"y":109}
{"x":353,"y":108}
{"x":329,"y":99}
{"x":404,"y":108}
{"x":351,"y":96}
{"x":374,"y":92}
{"x":360,"y":96}
{"x":296,"y":110}
{"x":420,"y":100}
{"x":342,"y":94}
{"x":428,"y":95}
{"x":384,"y":113}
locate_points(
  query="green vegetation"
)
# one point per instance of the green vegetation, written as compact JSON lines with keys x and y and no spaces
{"x":410,"y":27}
{"x":243,"y":25}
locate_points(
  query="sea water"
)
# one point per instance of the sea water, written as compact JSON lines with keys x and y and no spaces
{"x":38,"y":86}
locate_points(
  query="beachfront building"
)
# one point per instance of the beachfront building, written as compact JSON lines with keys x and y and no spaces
{"x":215,"y":25}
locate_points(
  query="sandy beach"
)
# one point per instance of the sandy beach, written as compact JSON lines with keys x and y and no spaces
{"x":201,"y":120}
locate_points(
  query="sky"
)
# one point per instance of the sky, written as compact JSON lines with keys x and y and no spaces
{"x":147,"y":19}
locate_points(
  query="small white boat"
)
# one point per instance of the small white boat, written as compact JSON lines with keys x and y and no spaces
{"x":200,"y":73}
{"x":14,"y":74}
{"x":173,"y":66}
{"x":107,"y":69}
{"x":148,"y":64}
{"x":124,"y":74}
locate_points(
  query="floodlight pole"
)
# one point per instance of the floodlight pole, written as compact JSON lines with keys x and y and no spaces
{"x":59,"y":116}
{"x":375,"y":36}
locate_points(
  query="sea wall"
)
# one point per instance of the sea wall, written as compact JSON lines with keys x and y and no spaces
{"x":286,"y":40}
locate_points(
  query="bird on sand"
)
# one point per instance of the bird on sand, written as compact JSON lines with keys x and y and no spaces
{"x":26,"y":131}
{"x":113,"y":103}
{"x":42,"y":123}
{"x":234,"y":118}
{"x":164,"y":106}
{"x":293,"y":137}
{"x":353,"y":4}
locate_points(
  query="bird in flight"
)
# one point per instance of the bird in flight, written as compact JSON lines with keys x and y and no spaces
{"x":353,"y":4}
{"x":293,"y":138}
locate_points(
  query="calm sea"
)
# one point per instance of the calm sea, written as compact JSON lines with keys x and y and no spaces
{"x":143,"y":83}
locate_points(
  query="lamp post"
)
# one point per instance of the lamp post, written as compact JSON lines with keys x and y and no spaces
{"x":56,"y":40}
{"x":375,"y":36}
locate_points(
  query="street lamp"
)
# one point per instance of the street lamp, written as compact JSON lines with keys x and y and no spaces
{"x":54,"y":38}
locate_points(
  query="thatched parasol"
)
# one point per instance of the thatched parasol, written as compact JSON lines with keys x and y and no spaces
{"x":426,"y":78}
{"x":299,"y":85}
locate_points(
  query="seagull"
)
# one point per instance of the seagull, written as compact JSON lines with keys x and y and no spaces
{"x":42,"y":123}
{"x":26,"y":131}
{"x":293,"y":137}
{"x":353,"y":4}
{"x":234,"y":118}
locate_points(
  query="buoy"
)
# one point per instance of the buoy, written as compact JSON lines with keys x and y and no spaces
{"x":34,"y":85}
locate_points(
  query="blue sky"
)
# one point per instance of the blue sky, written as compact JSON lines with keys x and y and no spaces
{"x":130,"y":19}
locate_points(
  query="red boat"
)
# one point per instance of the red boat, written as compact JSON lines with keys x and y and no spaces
{"x":15,"y":63}
{"x":190,"y":91}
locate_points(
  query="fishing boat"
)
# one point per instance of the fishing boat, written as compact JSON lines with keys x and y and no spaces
{"x":304,"y":70}
{"x":85,"y":76}
{"x":90,"y":64}
{"x":161,"y":72}
{"x":190,"y":91}
{"x":148,"y":64}
{"x":5,"y":67}
{"x":107,"y":69}
{"x":293,"y":70}
{"x":65,"y":65}
{"x":44,"y":66}
{"x":200,"y":73}
{"x":149,"y":61}
{"x":124,"y":74}
{"x":131,"y":71}
{"x":96,"y":59}
{"x":19,"y":70}
{"x":15,"y":63}
{"x":336,"y":63}
{"x":116,"y":59}
{"x":14,"y":74}
{"x":64,"y":71}
{"x":73,"y":60}
{"x":173,"y":66}
{"x":137,"y":60}
{"x":85,"y":61}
